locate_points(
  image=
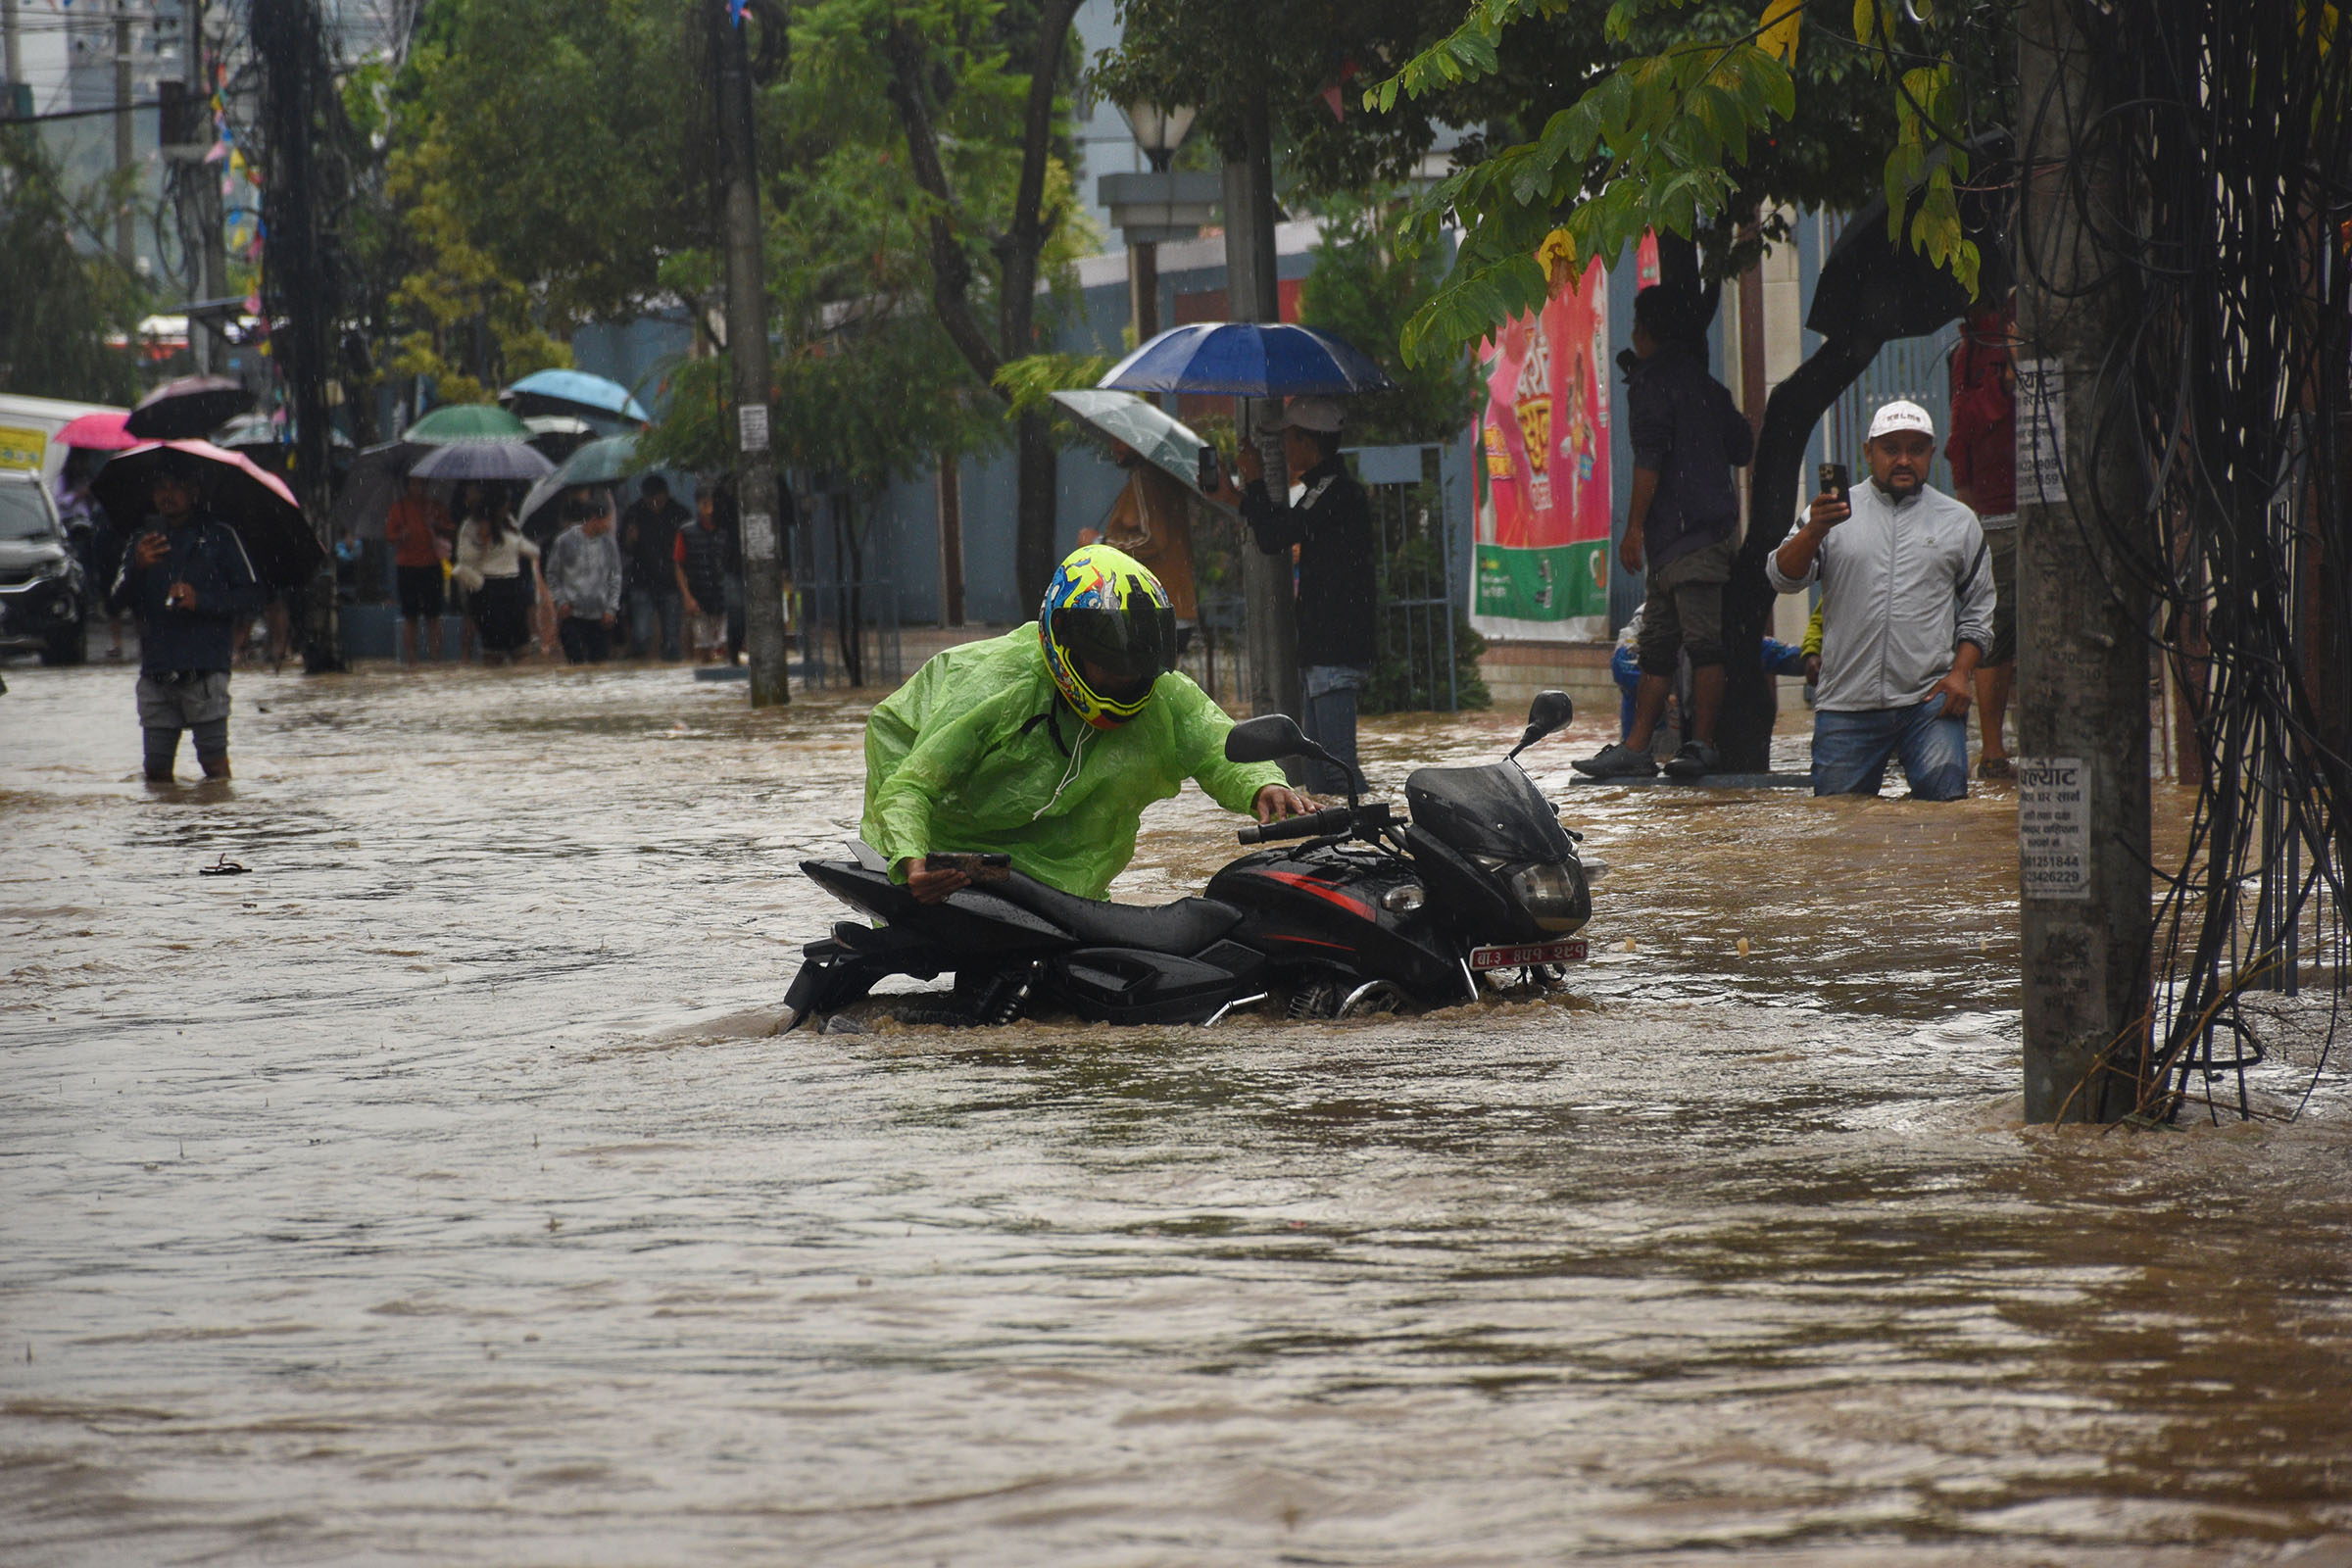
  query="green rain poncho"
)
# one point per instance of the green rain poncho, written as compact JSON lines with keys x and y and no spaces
{"x":978,"y":751}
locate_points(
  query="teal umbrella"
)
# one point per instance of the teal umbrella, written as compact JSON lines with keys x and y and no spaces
{"x":465,"y":421}
{"x":605,"y":462}
{"x":1159,"y":437}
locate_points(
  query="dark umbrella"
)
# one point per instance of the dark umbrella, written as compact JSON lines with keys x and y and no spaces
{"x":1248,"y":358}
{"x":482,"y":460}
{"x":186,"y":409}
{"x":278,"y":538}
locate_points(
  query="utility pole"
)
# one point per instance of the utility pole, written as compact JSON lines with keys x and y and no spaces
{"x":125,"y":157}
{"x":19,"y":96}
{"x":2082,"y":688}
{"x":210,"y":336}
{"x":764,"y":581}
{"x":297,"y":281}
{"x":1252,"y":294}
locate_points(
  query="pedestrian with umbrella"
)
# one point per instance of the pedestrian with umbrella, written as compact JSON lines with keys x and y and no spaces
{"x":422,"y":536}
{"x":499,"y":570}
{"x":1151,"y":519}
{"x":1330,"y":525}
{"x":189,"y":582}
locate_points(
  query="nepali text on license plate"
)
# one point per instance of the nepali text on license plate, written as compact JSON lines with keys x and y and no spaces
{"x":1572,"y":951}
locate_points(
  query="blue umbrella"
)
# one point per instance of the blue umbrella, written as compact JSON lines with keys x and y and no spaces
{"x":1248,"y":358}
{"x":576,"y":389}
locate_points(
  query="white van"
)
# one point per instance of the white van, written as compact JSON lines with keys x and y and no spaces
{"x":28,"y":428}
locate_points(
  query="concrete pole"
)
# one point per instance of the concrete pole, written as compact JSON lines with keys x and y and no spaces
{"x":950,"y":540}
{"x":125,"y":156}
{"x":15,"y":55}
{"x":2083,"y":671}
{"x":1252,"y":294}
{"x":764,"y":579}
{"x":1143,"y":290}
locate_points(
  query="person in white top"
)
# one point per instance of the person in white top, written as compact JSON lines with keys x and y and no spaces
{"x":1907,"y":600}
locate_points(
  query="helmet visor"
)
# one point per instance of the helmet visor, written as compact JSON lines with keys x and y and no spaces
{"x":1129,"y":649}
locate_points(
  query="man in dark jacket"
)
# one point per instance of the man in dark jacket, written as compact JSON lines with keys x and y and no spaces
{"x":702,"y":564}
{"x":649,"y":540}
{"x":1332,"y":527}
{"x":188,"y":581}
{"x":1682,"y":519}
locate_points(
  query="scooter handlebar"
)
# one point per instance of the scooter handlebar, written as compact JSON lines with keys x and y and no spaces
{"x":1312,"y":824}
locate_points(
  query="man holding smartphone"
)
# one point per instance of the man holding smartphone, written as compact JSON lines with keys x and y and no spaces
{"x":190,"y":583}
{"x":1906,"y":604}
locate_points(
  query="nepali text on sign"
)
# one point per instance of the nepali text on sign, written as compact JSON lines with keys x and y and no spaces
{"x":2053,"y":827}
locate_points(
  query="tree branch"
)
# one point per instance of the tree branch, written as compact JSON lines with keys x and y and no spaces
{"x":1018,"y":251}
{"x":951,"y":268}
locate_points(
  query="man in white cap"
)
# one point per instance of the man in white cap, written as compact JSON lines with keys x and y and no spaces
{"x":1331,"y":524}
{"x":1906,"y":599}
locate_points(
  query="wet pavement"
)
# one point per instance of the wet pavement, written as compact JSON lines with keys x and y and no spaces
{"x":435,"y":1193}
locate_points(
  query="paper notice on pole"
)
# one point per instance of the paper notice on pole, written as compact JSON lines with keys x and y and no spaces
{"x":2041,"y":431}
{"x":759,"y":536}
{"x":750,"y":427}
{"x":2053,"y":827}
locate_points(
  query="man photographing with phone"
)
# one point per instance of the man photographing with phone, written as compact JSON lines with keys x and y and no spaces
{"x":1906,"y":601}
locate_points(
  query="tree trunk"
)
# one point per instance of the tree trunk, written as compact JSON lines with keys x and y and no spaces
{"x":1033,"y":535}
{"x":1743,"y":734}
{"x":1017,"y":252}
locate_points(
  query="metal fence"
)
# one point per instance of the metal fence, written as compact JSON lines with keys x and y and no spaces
{"x":845,"y":620}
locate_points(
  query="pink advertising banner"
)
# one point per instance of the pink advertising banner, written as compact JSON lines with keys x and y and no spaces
{"x":1542,"y":553}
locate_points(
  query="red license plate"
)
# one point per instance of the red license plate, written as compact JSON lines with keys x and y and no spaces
{"x":1572,"y":951}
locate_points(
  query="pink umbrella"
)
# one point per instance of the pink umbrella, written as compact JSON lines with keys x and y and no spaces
{"x":252,"y":500}
{"x":99,"y":432}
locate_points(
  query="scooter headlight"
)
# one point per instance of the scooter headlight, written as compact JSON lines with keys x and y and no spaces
{"x":1551,"y":895}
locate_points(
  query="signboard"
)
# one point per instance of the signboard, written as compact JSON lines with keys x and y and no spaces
{"x":21,"y":448}
{"x":750,"y":423}
{"x":1541,"y":563}
{"x":2053,"y":827}
{"x":759,"y":536}
{"x":2041,"y":431}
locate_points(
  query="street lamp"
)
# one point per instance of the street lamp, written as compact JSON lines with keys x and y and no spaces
{"x":1160,"y":205}
{"x":1158,"y":131}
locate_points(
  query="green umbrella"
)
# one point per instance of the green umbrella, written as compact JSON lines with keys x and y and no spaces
{"x":1160,"y":438}
{"x":605,"y":462}
{"x":466,"y":422}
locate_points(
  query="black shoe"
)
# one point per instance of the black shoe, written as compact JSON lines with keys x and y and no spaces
{"x":1696,"y":759}
{"x":1617,"y":761}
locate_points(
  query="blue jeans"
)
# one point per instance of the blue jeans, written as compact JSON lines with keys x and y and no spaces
{"x":1330,"y":722}
{"x":1625,"y":668}
{"x":1850,"y":751}
{"x":646,"y":605}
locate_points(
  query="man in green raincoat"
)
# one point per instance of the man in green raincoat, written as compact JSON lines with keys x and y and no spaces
{"x":1046,"y":744}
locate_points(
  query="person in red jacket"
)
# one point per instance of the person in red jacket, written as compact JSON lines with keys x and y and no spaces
{"x":1983,"y":453}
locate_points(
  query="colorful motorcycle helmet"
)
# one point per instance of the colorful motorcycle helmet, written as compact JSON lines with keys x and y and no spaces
{"x":1109,"y":635}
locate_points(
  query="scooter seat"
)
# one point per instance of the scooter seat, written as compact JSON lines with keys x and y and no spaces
{"x":1183,"y":927}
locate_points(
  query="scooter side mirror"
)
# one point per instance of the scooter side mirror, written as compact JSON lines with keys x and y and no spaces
{"x":1550,"y":710}
{"x":1268,"y":738}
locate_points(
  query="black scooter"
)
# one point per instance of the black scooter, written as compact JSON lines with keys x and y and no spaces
{"x":1369,"y":915}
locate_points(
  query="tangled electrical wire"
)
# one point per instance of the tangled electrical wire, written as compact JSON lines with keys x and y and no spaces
{"x":2228,"y":127}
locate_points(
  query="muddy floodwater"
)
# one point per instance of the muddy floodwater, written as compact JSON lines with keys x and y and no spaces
{"x":435,"y":1193}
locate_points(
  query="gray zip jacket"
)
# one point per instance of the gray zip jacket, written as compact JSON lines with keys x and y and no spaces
{"x":584,"y":572}
{"x":1902,"y":586}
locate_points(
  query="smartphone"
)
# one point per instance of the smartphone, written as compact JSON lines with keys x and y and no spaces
{"x":979,"y":867}
{"x":1209,"y":475}
{"x":1834,"y":482}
